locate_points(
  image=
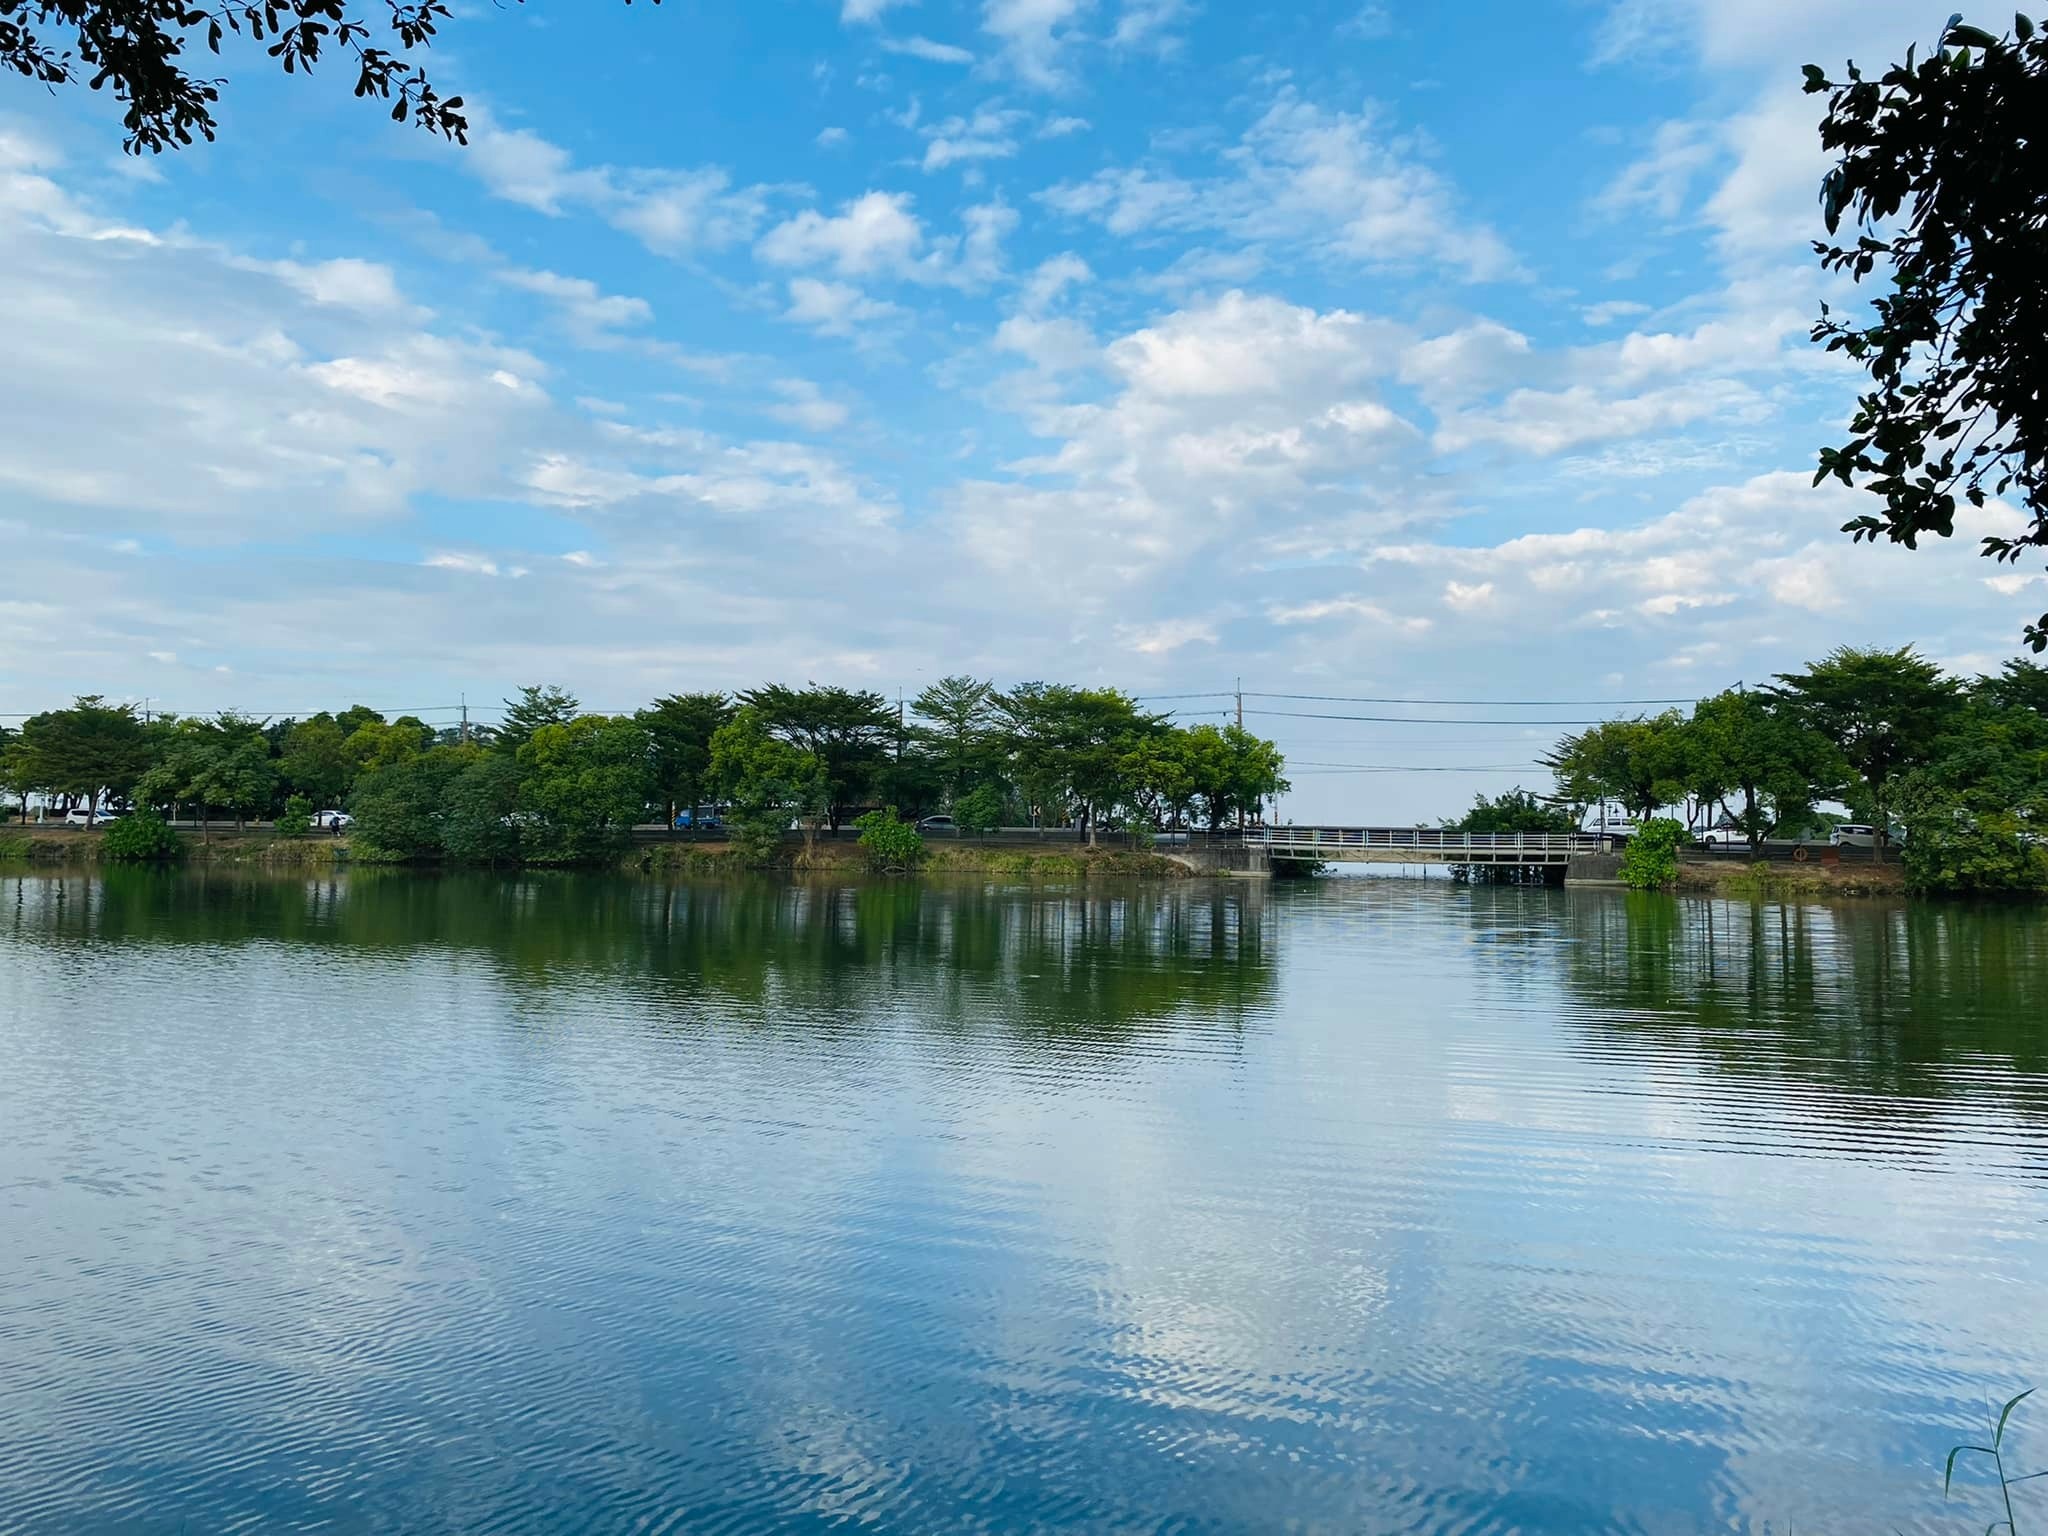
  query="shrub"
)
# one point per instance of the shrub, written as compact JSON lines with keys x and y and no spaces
{"x":297,"y":819}
{"x":1651,"y":861}
{"x":891,"y":842}
{"x":980,"y":809}
{"x":141,"y":838}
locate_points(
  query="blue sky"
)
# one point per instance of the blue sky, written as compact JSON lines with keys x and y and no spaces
{"x":1377,"y":350}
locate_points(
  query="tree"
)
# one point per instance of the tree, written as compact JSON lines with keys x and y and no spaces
{"x":14,"y":768}
{"x":379,"y":744}
{"x":84,"y":751}
{"x":585,"y":782}
{"x":980,"y":809}
{"x":849,"y":733}
{"x":1514,"y":810}
{"x":232,"y":771}
{"x":1638,"y":762}
{"x":1069,"y":745}
{"x":1755,"y":745}
{"x":1942,"y":175}
{"x":400,"y":808}
{"x":891,"y":843}
{"x":139,"y":49}
{"x":297,"y":817}
{"x":538,"y":704}
{"x":315,"y":760}
{"x":479,"y":820}
{"x":2020,"y":684}
{"x":960,"y":729}
{"x":767,"y":782}
{"x":679,"y":729}
{"x":1883,"y":710}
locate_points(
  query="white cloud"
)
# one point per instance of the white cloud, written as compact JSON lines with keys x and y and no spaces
{"x":836,"y":309}
{"x":1659,"y":181}
{"x":804,"y":405}
{"x":586,"y":309}
{"x":1166,"y":636}
{"x":1034,"y":36}
{"x":919,"y":47}
{"x":990,"y":134}
{"x":1607,"y":311}
{"x":854,"y":12}
{"x":831,"y":138}
{"x":1468,"y":597}
{"x":875,"y":232}
{"x":672,"y":212}
{"x":347,"y":282}
{"x":1340,"y":181}
{"x":1149,"y":24}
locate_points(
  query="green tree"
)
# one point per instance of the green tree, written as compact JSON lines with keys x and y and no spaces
{"x":766,"y":781}
{"x":400,"y":808}
{"x":1754,"y":746}
{"x":960,"y":728}
{"x":849,"y":733}
{"x":15,"y":777}
{"x":1514,"y":810}
{"x":1883,"y":710}
{"x":1069,"y":745}
{"x":2020,"y":684}
{"x":138,"y":48}
{"x":314,"y":760}
{"x":1941,"y":175}
{"x":92,"y":748}
{"x":231,"y":769}
{"x":679,"y":729}
{"x":297,"y":817}
{"x":1159,"y":777}
{"x":479,"y":808}
{"x":585,"y":782}
{"x":1638,"y":762}
{"x":538,"y":704}
{"x":378,"y":744}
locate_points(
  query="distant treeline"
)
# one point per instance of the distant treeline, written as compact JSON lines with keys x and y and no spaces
{"x":552,"y":782}
{"x":1958,"y":766}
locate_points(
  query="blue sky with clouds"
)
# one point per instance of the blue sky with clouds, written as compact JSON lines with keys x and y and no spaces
{"x":1385,"y":350}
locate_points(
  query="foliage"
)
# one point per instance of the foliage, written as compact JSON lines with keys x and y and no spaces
{"x":892,"y":843}
{"x":297,"y":817}
{"x":960,"y":732}
{"x":1514,"y":810}
{"x":846,"y":732}
{"x":766,"y":782}
{"x":479,"y":821}
{"x":84,"y":751}
{"x":141,"y":838}
{"x":1651,"y":860}
{"x":1996,"y":1451}
{"x":538,"y":704}
{"x":1638,"y":762}
{"x":1883,"y":710}
{"x":1068,"y":747}
{"x":980,"y":809}
{"x":315,"y":761}
{"x":679,"y":729}
{"x":585,"y":782}
{"x":1941,"y":173}
{"x":1755,"y":746}
{"x":139,"y":48}
{"x":399,"y":809}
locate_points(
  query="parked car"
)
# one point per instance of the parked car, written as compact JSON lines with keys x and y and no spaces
{"x":331,"y":821}
{"x":945,"y":826}
{"x":1852,"y":834}
{"x":78,"y":816}
{"x":1725,"y":837}
{"x":703,"y":818}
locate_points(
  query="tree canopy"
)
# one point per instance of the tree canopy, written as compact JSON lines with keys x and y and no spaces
{"x":142,"y":51}
{"x":1941,"y":175}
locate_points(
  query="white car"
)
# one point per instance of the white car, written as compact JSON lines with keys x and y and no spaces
{"x":1725,"y":837}
{"x":1853,"y":835}
{"x":332,"y":820}
{"x":78,"y":817}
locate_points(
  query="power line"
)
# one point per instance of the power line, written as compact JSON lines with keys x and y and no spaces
{"x":1346,"y":698}
{"x":1294,"y":714}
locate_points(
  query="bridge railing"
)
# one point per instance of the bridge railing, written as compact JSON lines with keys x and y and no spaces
{"x":1551,"y":844}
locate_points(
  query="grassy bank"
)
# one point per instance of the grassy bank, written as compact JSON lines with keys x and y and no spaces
{"x":1731,"y":878}
{"x":76,"y":845}
{"x":944,"y":858}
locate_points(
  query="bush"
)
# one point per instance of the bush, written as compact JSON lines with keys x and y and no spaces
{"x":1651,"y":860}
{"x":892,"y":843}
{"x":980,"y":809}
{"x":141,"y":838}
{"x":297,"y":819}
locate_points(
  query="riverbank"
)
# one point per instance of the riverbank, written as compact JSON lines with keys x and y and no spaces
{"x":1729,"y":877}
{"x":263,"y":849}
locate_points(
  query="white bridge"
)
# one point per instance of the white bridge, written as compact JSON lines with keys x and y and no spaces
{"x":1423,"y":845}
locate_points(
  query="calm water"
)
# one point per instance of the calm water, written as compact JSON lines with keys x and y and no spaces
{"x":396,"y":1203}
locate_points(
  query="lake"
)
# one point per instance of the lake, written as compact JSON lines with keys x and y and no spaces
{"x":385,"y":1202}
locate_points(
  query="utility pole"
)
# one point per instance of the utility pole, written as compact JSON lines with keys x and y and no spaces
{"x":1240,"y":703}
{"x":465,"y":717}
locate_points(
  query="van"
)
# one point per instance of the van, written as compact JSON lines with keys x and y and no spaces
{"x":1853,"y":834}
